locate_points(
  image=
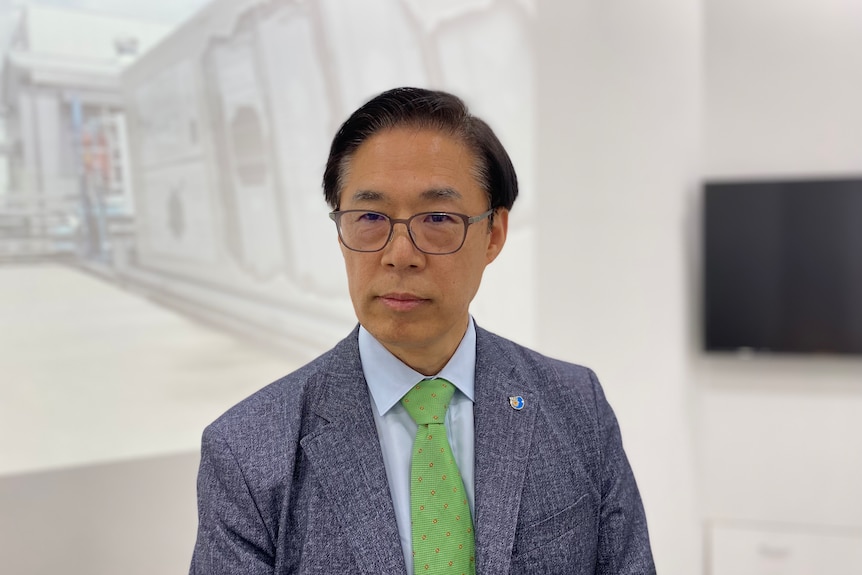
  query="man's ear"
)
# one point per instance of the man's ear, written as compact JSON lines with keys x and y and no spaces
{"x":497,"y":234}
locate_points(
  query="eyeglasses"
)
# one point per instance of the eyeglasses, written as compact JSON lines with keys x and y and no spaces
{"x":434,"y":233}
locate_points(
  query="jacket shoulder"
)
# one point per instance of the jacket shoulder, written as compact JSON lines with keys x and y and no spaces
{"x":270,"y":406}
{"x":549,"y":371}
{"x":278,"y":414}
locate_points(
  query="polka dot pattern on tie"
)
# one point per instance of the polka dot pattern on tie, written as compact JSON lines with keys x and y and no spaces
{"x":443,"y":540}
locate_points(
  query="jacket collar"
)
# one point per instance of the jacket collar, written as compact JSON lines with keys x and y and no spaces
{"x":346,"y":458}
{"x":502,"y":444}
{"x":346,"y":455}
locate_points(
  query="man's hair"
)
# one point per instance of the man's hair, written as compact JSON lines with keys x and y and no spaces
{"x":429,"y":109}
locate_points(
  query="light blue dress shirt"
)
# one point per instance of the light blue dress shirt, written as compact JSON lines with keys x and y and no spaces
{"x":388,"y":380}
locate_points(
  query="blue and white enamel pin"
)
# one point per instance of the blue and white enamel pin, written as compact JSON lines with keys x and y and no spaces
{"x":516,"y":402}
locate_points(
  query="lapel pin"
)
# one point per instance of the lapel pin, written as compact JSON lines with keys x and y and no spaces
{"x":516,"y":402}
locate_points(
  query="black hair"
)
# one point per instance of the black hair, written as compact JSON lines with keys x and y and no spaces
{"x":420,"y":108}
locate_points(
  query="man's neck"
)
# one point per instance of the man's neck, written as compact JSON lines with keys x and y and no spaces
{"x":421,"y":360}
{"x":430,"y":358}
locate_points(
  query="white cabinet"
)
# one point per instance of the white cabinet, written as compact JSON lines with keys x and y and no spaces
{"x":773,"y":550}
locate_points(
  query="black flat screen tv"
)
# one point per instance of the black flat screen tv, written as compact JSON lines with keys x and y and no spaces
{"x":783,"y":266}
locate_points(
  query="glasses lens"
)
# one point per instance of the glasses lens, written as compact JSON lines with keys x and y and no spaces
{"x":364,"y":231}
{"x":438,"y":233}
{"x":431,"y":232}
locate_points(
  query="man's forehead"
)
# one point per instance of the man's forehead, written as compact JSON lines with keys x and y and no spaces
{"x":420,"y":166}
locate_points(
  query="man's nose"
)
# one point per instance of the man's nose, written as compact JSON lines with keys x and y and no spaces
{"x":401,"y":251}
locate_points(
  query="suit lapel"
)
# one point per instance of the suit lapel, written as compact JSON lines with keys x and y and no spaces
{"x":345,"y":456}
{"x":502,"y":445}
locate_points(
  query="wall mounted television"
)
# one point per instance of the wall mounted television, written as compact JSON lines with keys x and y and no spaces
{"x":783,"y":266}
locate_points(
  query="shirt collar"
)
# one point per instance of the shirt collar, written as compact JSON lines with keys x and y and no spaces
{"x":389,"y":378}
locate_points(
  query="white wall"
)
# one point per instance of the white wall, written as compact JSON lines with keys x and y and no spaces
{"x":133,"y":517}
{"x":638,"y":104}
{"x":782,"y":87}
{"x":781,"y":437}
{"x":617,"y":162}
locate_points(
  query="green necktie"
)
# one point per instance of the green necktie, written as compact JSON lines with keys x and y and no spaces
{"x":441,"y":524}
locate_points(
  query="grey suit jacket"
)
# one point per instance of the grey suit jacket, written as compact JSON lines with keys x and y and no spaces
{"x":292,"y":479}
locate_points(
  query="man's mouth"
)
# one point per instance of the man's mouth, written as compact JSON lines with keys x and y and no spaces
{"x":401,"y":301}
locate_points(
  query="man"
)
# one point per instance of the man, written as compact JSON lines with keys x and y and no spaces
{"x":331,"y":469}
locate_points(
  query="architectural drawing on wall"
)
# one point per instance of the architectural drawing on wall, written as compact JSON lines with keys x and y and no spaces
{"x":166,"y":116}
{"x":231,"y":119}
{"x":372,"y":46}
{"x":66,"y":156}
{"x":241,"y":130}
{"x":302,"y":120}
{"x":175,"y":219}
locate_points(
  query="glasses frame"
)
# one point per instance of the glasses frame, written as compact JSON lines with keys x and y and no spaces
{"x":336,"y":215}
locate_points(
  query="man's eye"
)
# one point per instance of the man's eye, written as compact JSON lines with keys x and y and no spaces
{"x":370,"y":217}
{"x":439,"y":218}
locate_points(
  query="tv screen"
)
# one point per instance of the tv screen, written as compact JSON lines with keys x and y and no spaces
{"x":783,"y":266}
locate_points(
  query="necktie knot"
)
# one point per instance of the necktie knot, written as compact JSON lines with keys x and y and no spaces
{"x":427,"y":401}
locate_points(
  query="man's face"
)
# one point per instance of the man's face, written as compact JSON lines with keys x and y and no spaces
{"x":414,"y":303}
